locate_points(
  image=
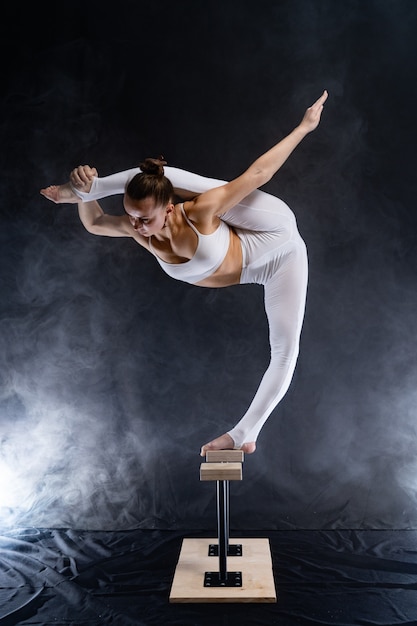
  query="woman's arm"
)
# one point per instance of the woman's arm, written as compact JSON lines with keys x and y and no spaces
{"x":97,"y":222}
{"x":219,"y":200}
{"x":209,"y":196}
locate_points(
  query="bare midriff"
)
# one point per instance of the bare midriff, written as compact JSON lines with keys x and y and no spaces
{"x":230,"y":269}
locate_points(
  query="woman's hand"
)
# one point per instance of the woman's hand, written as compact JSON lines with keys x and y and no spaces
{"x":82,"y":176}
{"x":312,"y":116}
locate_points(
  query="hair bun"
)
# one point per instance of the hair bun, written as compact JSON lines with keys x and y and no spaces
{"x":154,"y":167}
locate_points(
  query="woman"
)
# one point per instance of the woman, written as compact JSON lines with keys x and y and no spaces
{"x":222,"y":234}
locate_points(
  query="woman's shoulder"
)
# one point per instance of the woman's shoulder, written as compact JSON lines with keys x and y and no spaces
{"x":205,"y":221}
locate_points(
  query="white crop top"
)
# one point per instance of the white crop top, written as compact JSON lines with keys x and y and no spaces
{"x":209,"y":255}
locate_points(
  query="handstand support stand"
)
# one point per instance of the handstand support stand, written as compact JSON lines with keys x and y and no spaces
{"x":194,"y":579}
{"x":223,"y":467}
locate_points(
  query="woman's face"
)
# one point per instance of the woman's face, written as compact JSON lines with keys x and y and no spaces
{"x":146,"y":216}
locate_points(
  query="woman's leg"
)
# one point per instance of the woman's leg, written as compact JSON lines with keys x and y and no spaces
{"x":285,"y":295}
{"x":257,"y":212}
{"x":100,"y":188}
{"x":105,"y":186}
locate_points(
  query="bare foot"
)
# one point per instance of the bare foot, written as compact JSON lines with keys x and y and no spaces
{"x":60,"y":194}
{"x":225,"y":442}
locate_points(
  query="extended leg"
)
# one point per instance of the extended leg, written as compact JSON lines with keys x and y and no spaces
{"x":259,"y":211}
{"x":114,"y":184}
{"x":285,"y":294}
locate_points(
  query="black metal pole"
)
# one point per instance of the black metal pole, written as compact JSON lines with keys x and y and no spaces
{"x":227,"y":506}
{"x":222,"y":526}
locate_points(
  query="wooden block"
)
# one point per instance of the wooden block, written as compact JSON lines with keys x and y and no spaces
{"x":255,"y":564}
{"x":224,"y":456}
{"x":221,"y":471}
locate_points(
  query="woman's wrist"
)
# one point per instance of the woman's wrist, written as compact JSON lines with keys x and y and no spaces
{"x":301,"y":131}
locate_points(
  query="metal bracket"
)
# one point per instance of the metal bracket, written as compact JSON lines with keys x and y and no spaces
{"x":232,"y":550}
{"x":213,"y":579}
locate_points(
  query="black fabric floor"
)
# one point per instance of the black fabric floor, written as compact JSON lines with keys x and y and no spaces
{"x":71,"y":577}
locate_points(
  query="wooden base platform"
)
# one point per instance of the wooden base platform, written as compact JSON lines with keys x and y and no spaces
{"x":255,"y":565}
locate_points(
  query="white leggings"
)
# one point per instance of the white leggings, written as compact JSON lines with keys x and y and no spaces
{"x":274,"y":255}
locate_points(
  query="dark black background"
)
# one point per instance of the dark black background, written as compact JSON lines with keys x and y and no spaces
{"x":112,"y":374}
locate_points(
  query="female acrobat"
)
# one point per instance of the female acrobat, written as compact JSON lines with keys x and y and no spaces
{"x":223,"y":233}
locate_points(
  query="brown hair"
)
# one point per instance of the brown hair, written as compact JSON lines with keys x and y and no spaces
{"x":151,"y":182}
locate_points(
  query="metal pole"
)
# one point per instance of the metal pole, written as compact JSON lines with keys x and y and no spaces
{"x":222,"y":526}
{"x":227,"y":506}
